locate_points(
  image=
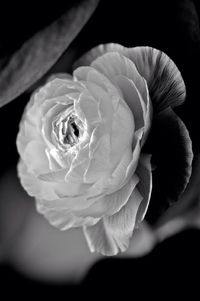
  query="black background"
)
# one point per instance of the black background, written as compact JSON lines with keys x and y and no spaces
{"x":171,"y":26}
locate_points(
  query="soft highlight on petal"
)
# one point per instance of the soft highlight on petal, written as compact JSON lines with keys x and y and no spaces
{"x":112,"y":234}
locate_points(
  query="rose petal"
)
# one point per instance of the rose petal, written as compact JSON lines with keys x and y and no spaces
{"x":123,"y":126}
{"x":87,"y":106}
{"x":33,"y":185}
{"x":47,"y":120}
{"x":164,"y":80}
{"x":109,"y":204}
{"x":35,"y":157}
{"x":112,"y":234}
{"x":92,"y":75}
{"x":64,"y":220}
{"x":134,"y":100}
{"x":114,"y":64}
{"x":125,"y":169}
{"x":104,"y":101}
{"x":99,"y":162}
{"x":173,"y":158}
{"x":54,"y":194}
{"x":53,"y":164}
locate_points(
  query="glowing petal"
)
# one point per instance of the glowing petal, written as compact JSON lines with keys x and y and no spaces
{"x":111,"y":203}
{"x":99,"y":163}
{"x":114,"y":64}
{"x":35,"y":157}
{"x":64,"y":220}
{"x":134,"y":100}
{"x":112,"y":234}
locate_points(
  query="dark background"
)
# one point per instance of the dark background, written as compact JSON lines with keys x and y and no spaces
{"x":171,"y":26}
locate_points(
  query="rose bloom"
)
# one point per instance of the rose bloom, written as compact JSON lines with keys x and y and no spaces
{"x":81,"y":140}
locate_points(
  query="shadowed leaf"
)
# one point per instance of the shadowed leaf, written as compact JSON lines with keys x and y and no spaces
{"x":37,"y":55}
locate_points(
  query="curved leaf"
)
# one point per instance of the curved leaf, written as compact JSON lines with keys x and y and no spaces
{"x":39,"y":53}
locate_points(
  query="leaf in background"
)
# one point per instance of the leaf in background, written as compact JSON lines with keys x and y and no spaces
{"x":36,"y":56}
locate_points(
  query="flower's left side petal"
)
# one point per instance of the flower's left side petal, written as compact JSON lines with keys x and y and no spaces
{"x":112,"y":234}
{"x":35,"y":157}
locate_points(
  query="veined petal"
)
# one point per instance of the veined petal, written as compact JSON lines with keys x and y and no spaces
{"x":164,"y":80}
{"x":166,"y":85}
{"x":112,"y":234}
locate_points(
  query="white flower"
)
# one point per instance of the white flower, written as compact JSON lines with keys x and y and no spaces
{"x":80,"y":143}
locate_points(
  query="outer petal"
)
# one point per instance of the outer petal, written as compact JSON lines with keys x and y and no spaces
{"x":164,"y":80}
{"x":114,"y":64}
{"x":111,"y":203}
{"x":55,"y":194}
{"x":32,"y":185}
{"x":144,"y":186}
{"x":134,"y":100}
{"x":171,"y":148}
{"x":35,"y":157}
{"x":112,"y":234}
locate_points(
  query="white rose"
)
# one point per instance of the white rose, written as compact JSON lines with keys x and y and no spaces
{"x":80,"y":143}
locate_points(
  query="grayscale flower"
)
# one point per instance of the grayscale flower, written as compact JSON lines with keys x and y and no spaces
{"x":82,"y":137}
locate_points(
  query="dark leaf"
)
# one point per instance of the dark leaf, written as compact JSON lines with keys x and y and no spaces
{"x":36,"y":56}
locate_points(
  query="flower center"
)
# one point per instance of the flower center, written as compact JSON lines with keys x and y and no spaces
{"x":68,"y":130}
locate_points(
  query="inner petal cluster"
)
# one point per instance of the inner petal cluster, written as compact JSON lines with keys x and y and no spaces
{"x":67,"y":130}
